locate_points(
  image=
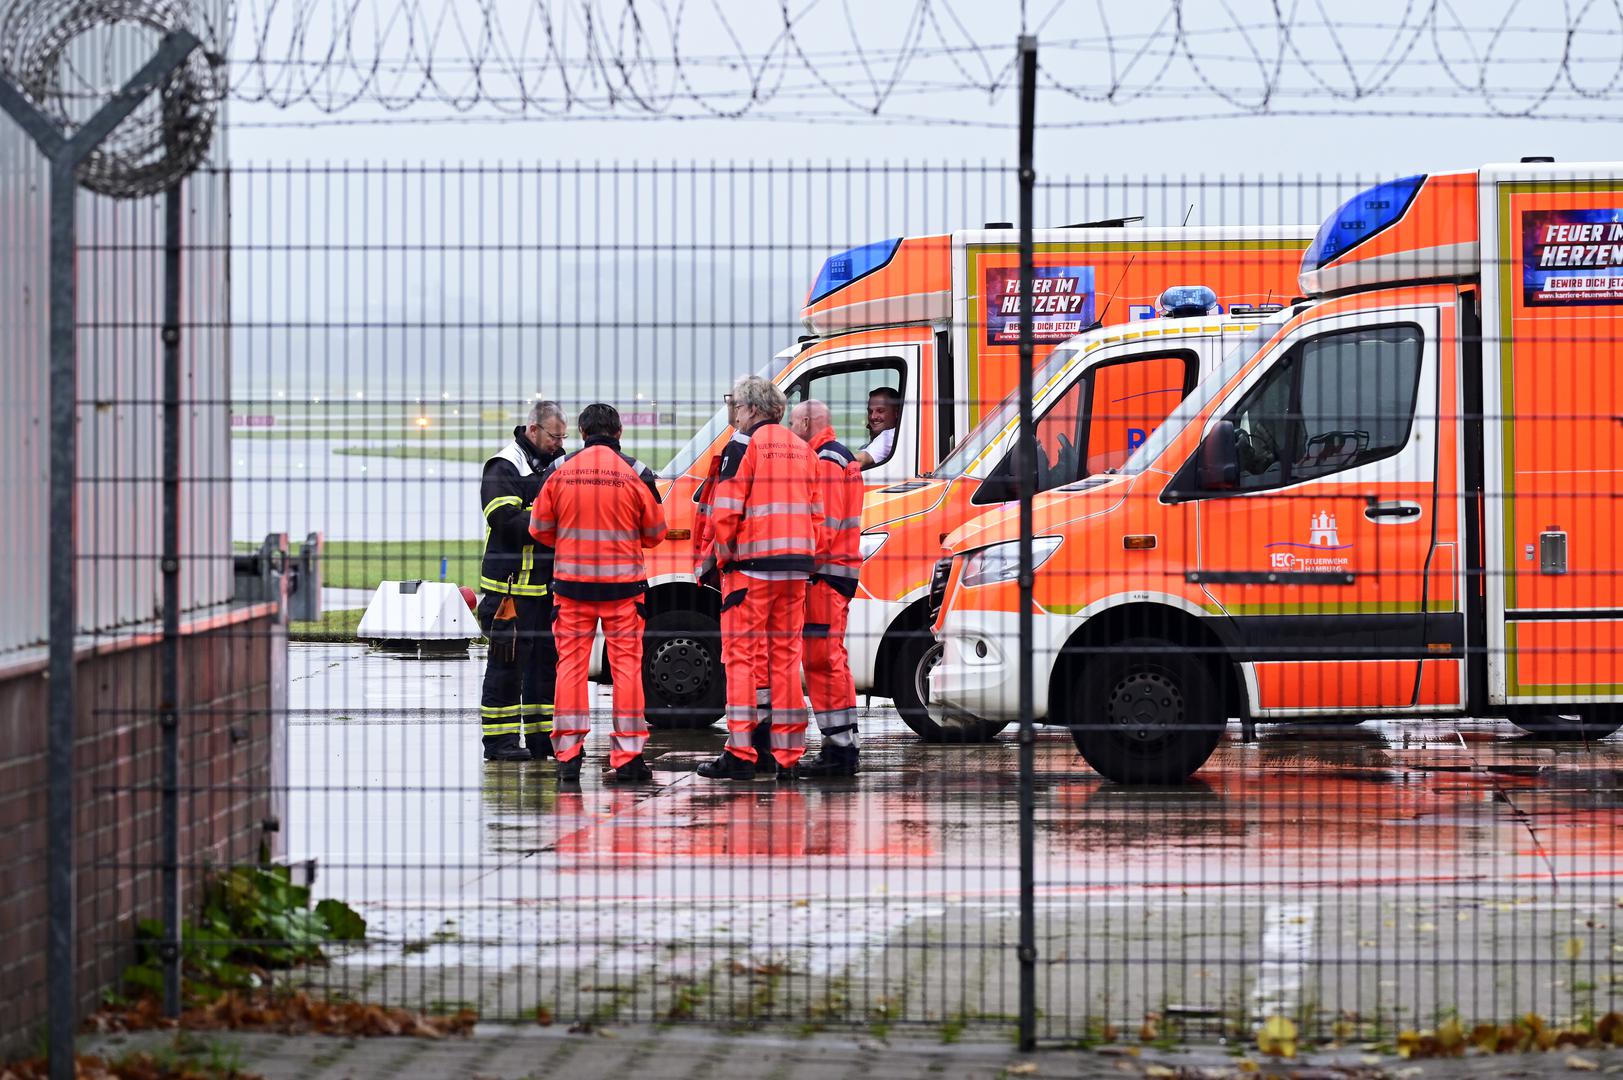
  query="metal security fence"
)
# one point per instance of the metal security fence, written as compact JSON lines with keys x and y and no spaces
{"x":1235,"y":642}
{"x":1358,"y":879}
{"x":1357,"y":852}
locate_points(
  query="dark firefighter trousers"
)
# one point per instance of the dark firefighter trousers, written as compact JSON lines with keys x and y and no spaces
{"x":521,"y":673}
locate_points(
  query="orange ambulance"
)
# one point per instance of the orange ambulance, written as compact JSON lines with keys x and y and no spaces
{"x":1098,"y":396}
{"x":933,"y":318}
{"x":1405,"y":502}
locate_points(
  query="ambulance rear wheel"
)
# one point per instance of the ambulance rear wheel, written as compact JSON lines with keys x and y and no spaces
{"x":911,"y":685}
{"x":1146,"y":712}
{"x":682,"y":678}
{"x":1597,"y":723}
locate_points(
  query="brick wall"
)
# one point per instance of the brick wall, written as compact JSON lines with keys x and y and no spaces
{"x":228,"y":678}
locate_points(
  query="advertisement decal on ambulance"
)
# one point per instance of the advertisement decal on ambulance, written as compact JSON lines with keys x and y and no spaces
{"x":1572,"y":257}
{"x":1062,"y":304}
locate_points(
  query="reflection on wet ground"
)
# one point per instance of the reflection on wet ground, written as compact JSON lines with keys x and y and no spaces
{"x":1367,"y":874}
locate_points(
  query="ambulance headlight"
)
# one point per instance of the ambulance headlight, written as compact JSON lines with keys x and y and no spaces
{"x":870,"y":543}
{"x":1001,"y":562}
{"x":1187,"y":302}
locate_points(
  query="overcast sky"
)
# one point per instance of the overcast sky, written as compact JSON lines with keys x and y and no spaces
{"x":887,"y":80}
{"x":920,"y":81}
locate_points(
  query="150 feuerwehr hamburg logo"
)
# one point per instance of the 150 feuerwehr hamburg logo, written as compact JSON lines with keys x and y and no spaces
{"x":1322,"y":551}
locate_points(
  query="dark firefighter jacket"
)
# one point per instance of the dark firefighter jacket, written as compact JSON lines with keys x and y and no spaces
{"x":513,"y":562}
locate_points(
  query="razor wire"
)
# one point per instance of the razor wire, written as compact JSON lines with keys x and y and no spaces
{"x":69,"y":57}
{"x":647,"y":59}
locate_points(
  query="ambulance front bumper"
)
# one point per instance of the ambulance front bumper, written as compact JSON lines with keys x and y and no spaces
{"x":988,"y":685}
{"x":865,"y":629}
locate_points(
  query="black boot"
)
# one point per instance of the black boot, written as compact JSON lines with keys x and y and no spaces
{"x":831,"y":762}
{"x":761,"y":738}
{"x":505,"y":748}
{"x":540,"y":745}
{"x":569,"y":771}
{"x":729,"y":766}
{"x":635,"y":771}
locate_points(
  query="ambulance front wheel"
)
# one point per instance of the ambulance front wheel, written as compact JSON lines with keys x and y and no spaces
{"x":1146,"y":711}
{"x":1596,"y":723}
{"x":911,"y":683}
{"x":683,"y":681}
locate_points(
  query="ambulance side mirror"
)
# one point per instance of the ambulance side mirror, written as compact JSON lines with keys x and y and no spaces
{"x":1217,"y":463}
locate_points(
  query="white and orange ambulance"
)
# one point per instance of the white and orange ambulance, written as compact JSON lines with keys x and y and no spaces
{"x":1097,"y":397}
{"x":933,"y":318}
{"x":1404,"y":502}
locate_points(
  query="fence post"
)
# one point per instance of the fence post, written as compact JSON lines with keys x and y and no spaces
{"x":169,"y":691}
{"x":65,"y":154}
{"x":1025,"y":461}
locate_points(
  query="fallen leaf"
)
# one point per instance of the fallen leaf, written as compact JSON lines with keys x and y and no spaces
{"x":543,"y":1016}
{"x":1277,"y":1037}
{"x":1582,"y":1064}
{"x":1021,"y":1068}
{"x":1574,"y":948}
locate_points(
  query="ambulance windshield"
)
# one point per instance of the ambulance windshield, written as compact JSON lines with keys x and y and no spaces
{"x":706,"y":436}
{"x":1205,"y":390}
{"x":1005,"y":414}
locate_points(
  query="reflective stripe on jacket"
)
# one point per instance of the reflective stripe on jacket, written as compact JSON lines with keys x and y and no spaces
{"x":839,"y":480}
{"x":765,"y":513}
{"x":513,"y":563}
{"x":598,"y":509}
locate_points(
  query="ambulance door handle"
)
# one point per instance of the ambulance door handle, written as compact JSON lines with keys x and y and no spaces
{"x":1400,"y":511}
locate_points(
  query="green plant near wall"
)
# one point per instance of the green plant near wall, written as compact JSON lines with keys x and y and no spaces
{"x":254,"y":919}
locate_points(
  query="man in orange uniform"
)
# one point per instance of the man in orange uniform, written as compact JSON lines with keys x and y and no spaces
{"x":599,"y":509}
{"x":765,"y":523}
{"x":828,"y":595}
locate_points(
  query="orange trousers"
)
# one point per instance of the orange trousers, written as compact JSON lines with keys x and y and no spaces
{"x":761,"y":626}
{"x":828,"y":666}
{"x":574,"y":628}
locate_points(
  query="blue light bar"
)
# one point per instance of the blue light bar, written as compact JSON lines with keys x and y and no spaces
{"x":1187,"y":301}
{"x":842,"y":269}
{"x":1360,"y":218}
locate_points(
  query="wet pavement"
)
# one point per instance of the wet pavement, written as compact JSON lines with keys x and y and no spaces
{"x":658,"y":1052}
{"x":1361,"y":879}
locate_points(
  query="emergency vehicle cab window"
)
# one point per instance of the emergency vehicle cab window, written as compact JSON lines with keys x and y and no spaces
{"x":1098,"y":422}
{"x":1336,"y":402}
{"x":846,"y":391}
{"x":1128,"y":401}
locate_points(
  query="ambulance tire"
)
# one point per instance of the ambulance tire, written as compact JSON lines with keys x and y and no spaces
{"x":919,"y":653}
{"x":1147,"y":712}
{"x":683,"y":681}
{"x":1599,"y":722}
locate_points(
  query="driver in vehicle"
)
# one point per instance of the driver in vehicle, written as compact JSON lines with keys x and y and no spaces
{"x":884,"y":417}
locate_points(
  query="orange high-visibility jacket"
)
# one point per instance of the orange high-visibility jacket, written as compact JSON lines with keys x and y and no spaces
{"x":598,"y":508}
{"x":704,"y":532}
{"x":765,"y":512}
{"x":839,"y":480}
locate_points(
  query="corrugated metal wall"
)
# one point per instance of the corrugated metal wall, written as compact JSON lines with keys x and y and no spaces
{"x":120,"y":387}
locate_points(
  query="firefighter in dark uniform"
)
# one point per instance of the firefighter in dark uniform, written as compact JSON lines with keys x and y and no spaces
{"x":515,"y":611}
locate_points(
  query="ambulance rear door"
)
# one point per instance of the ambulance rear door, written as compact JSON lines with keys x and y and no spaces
{"x":1552,"y":328}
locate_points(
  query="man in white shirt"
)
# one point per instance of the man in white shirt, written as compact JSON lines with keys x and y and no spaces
{"x":884,"y":416}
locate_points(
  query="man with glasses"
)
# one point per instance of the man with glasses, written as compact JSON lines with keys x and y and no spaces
{"x":515,"y":610}
{"x":765,"y":523}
